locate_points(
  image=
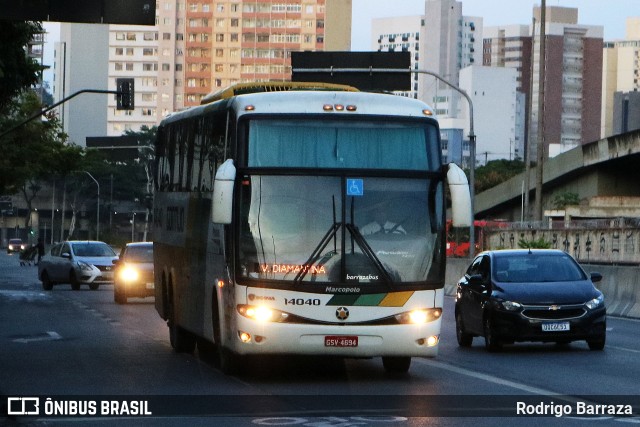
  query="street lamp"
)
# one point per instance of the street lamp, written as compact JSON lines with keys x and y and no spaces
{"x":97,"y":207}
{"x":472,"y":154}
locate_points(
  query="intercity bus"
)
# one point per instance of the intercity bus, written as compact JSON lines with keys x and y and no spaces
{"x":262,"y":240}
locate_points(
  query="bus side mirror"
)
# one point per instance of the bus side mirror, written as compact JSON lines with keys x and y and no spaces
{"x":460,"y":196}
{"x":222,"y":202}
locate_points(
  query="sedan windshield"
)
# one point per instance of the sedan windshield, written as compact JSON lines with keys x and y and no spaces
{"x":527,"y":268}
{"x":139,"y":253}
{"x":92,"y":250}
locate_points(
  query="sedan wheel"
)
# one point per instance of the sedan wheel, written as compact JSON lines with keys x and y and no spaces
{"x":491,"y":341}
{"x":118,"y":295}
{"x":75,"y":285}
{"x":464,"y":339}
{"x":597,"y":344}
{"x":47,"y":285}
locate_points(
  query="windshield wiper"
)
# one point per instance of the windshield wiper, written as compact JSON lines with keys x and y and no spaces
{"x":315,"y":255}
{"x":366,"y":249}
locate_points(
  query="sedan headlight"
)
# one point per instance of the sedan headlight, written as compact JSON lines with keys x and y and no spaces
{"x":595,"y":303}
{"x":129,"y":274}
{"x":510,"y":305}
{"x":84,"y":266}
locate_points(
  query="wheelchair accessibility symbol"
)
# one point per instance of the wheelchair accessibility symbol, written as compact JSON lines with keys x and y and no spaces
{"x":355,"y":187}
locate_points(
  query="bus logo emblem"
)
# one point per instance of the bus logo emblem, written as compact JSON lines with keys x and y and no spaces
{"x":342,"y":313}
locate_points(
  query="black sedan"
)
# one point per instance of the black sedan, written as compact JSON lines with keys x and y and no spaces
{"x":529,"y":295}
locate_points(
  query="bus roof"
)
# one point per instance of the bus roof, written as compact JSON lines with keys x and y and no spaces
{"x":305,"y":98}
{"x":257,"y":87}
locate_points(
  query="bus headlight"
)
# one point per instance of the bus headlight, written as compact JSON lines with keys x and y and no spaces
{"x":419,"y":316}
{"x":262,"y":313}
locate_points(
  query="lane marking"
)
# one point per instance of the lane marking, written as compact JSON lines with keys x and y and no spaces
{"x":485,"y":377}
{"x":621,"y":348}
{"x":48,"y":336}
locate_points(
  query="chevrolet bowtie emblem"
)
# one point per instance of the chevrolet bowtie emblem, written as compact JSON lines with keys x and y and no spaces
{"x":554,"y":307}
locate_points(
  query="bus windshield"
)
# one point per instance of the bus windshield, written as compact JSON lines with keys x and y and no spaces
{"x":347,"y":144}
{"x":304,"y":229}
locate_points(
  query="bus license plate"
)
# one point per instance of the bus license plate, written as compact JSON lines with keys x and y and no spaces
{"x":340,"y":341}
{"x":555,"y":327}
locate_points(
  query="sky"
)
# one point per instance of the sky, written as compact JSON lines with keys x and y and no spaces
{"x":611,"y":14}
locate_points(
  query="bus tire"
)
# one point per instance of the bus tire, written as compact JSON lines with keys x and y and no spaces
{"x":182,"y":341}
{"x":396,"y":364}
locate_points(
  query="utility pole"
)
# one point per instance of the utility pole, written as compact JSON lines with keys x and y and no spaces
{"x":527,"y":145}
{"x":540,"y":140}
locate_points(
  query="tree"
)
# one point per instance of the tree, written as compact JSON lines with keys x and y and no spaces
{"x":561,"y":201}
{"x":17,"y":71}
{"x":29,"y":152}
{"x":496,"y":172}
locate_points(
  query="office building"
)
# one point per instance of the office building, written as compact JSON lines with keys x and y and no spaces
{"x":81,"y":61}
{"x":620,"y":75}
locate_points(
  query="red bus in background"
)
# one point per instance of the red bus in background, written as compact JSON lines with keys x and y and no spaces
{"x":458,"y":237}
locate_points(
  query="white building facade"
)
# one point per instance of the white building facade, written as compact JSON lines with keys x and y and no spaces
{"x":81,"y":63}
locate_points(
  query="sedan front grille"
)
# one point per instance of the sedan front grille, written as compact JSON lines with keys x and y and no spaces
{"x":104,"y":267}
{"x":554,"y":312}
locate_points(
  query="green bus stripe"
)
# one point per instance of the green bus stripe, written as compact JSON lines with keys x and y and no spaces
{"x":391,"y":299}
{"x":370,"y":300}
{"x":343,"y":299}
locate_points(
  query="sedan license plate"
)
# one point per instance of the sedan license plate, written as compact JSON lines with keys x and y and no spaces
{"x":340,"y":341}
{"x":150,"y":285}
{"x":555,"y":327}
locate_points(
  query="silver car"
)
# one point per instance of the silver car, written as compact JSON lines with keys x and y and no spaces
{"x":77,"y":262}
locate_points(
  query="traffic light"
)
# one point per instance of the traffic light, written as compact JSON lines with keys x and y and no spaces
{"x":125,"y":95}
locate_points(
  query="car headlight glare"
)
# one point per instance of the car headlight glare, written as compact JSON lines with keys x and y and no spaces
{"x":510,"y":305}
{"x":262,"y":313}
{"x":595,"y":303}
{"x":129,"y":274}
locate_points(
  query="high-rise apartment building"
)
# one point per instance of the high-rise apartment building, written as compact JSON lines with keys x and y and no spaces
{"x":399,"y":34}
{"x":572,"y":96}
{"x":199,"y":46}
{"x":620,"y":75}
{"x":442,"y":41}
{"x":451,"y":42}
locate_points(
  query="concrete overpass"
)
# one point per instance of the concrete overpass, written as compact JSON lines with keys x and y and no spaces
{"x":607,"y":170}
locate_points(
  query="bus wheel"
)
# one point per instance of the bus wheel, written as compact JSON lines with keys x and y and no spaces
{"x":396,"y":364}
{"x":181,"y":340}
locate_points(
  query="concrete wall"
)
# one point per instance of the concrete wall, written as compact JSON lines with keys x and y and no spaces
{"x":620,"y":285}
{"x":611,"y":245}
